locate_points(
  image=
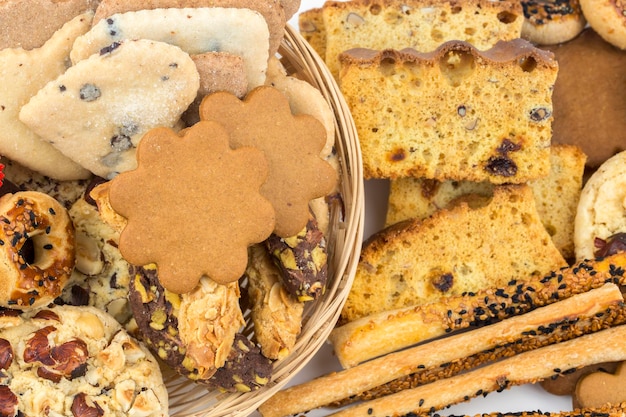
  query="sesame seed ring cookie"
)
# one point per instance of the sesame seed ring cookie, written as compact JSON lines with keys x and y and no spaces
{"x":608,"y":18}
{"x":36,"y":249}
{"x":549,"y":22}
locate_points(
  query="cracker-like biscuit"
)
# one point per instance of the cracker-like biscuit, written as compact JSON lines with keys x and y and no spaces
{"x":98,"y":110}
{"x":195,"y":31}
{"x":28,"y":24}
{"x":203,"y":229}
{"x":291,"y":144}
{"x":271,"y":10}
{"x":601,"y":211}
{"x":23,"y":73}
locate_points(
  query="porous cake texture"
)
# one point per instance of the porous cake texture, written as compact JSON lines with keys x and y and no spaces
{"x":456,"y":113}
{"x":419,"y":24}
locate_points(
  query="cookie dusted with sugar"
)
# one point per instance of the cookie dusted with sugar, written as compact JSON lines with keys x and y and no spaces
{"x":419,"y":24}
{"x":23,"y":74}
{"x":195,"y":31}
{"x":57,"y":361}
{"x":454,"y":113}
{"x":99,"y":109}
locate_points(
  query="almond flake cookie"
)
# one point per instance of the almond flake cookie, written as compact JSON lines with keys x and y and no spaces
{"x":23,"y":74}
{"x":195,"y":31}
{"x":98,"y":110}
{"x":68,"y":361}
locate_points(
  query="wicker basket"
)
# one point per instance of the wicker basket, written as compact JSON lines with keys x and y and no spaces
{"x":344,"y":243}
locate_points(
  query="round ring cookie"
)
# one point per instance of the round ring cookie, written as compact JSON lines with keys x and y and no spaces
{"x":70,"y":361}
{"x":608,"y":18}
{"x":549,"y":22}
{"x":601,"y":211}
{"x":36,"y":249}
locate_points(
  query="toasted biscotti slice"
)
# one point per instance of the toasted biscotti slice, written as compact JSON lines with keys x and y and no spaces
{"x":418,"y":24}
{"x":556,"y":196}
{"x":312,"y":29}
{"x":456,"y":113}
{"x":457,"y":250}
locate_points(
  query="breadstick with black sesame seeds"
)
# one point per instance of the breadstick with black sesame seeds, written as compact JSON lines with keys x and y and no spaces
{"x":386,"y":332}
{"x":579,"y":314}
{"x":528,"y":367}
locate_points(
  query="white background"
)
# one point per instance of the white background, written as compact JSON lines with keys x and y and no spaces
{"x":523,"y":398}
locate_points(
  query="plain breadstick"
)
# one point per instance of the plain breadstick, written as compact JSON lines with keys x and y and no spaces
{"x":382,"y":333}
{"x":340,"y":385}
{"x":529,"y":367}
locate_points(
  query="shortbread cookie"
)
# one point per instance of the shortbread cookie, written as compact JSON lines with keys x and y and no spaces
{"x":101,"y":277}
{"x":493,"y":107}
{"x":419,"y":24}
{"x":65,"y":192}
{"x":591,"y":77}
{"x":303,"y":99}
{"x":608,"y":19}
{"x":271,"y":10}
{"x":602,"y":208}
{"x":224,"y":211}
{"x":458,"y":250}
{"x":195,"y":31}
{"x":23,"y":74}
{"x":549,"y":22}
{"x":98,"y":110}
{"x":28,"y":24}
{"x":291,"y":143}
{"x":71,"y":361}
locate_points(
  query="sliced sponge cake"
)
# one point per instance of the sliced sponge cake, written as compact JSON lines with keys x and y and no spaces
{"x":456,"y":113}
{"x":456,"y":250}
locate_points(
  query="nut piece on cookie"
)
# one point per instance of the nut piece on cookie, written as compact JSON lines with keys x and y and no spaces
{"x":23,"y":74}
{"x":195,"y":31}
{"x":193,"y":205}
{"x":98,"y":110}
{"x":291,"y":144}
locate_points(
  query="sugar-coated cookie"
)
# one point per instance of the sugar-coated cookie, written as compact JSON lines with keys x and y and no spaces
{"x":195,"y":31}
{"x":36,"y":249}
{"x":224,"y":210}
{"x":271,"y":10}
{"x":608,"y":18}
{"x":550,"y":22}
{"x":99,"y":109}
{"x":601,"y":211}
{"x":291,"y":143}
{"x":70,"y":361}
{"x":23,"y":74}
{"x":28,"y":24}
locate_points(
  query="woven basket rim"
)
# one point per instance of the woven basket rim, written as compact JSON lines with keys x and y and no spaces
{"x":188,"y":399}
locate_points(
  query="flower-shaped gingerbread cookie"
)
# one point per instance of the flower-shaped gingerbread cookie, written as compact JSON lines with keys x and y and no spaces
{"x":291,"y":144}
{"x":193,"y":205}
